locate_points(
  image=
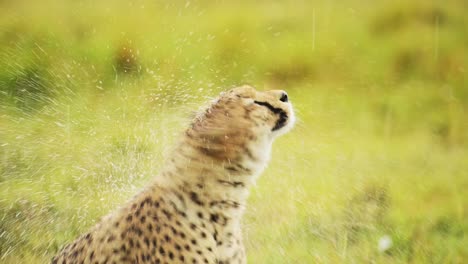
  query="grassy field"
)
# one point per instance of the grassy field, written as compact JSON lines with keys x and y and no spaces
{"x":93,"y":94}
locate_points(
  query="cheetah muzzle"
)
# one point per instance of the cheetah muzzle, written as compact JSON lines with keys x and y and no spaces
{"x":191,"y":212}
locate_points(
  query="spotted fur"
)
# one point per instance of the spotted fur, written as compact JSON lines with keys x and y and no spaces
{"x":191,"y":212}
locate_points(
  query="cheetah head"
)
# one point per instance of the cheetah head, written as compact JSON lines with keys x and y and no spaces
{"x":270,"y":111}
{"x":242,"y":120}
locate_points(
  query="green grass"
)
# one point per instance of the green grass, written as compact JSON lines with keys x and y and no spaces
{"x":94,"y":95}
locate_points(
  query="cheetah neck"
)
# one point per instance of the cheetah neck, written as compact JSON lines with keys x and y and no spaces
{"x":219,"y":185}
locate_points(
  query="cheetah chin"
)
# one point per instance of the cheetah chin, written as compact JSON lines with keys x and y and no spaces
{"x":191,"y":212}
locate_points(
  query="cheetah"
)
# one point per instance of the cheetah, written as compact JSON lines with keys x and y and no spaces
{"x":191,"y":212}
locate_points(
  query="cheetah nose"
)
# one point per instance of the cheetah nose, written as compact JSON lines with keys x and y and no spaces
{"x":284,"y":97}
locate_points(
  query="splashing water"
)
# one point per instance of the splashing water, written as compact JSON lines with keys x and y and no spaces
{"x":94,"y":96}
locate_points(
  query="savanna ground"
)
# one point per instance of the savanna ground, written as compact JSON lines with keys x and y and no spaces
{"x":93,"y":94}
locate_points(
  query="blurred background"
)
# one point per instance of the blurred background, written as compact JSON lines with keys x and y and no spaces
{"x":93,"y":95}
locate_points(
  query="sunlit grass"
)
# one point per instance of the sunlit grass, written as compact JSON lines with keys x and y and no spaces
{"x":94,"y":95}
